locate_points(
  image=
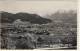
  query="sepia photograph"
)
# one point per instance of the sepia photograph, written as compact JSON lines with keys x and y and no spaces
{"x":38,"y":24}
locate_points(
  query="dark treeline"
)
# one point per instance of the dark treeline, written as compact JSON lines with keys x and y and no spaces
{"x":32,"y":18}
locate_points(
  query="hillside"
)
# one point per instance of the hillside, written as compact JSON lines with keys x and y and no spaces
{"x":32,"y":18}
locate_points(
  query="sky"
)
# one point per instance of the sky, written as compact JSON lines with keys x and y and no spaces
{"x":37,"y":7}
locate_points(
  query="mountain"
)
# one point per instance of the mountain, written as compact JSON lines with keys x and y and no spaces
{"x":64,"y":17}
{"x":32,"y":18}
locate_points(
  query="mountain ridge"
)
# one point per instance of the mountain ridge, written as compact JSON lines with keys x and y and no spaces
{"x":7,"y":17}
